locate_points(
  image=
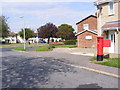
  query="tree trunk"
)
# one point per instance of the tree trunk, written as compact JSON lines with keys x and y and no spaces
{"x":48,"y":40}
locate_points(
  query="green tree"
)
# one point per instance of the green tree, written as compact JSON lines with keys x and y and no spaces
{"x":66,"y":27}
{"x":28,"y":33}
{"x":4,"y":29}
{"x":66,"y":32}
{"x":48,"y":30}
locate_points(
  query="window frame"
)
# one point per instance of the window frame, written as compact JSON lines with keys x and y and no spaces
{"x":109,"y":8}
{"x":90,"y":37}
{"x":87,"y":26}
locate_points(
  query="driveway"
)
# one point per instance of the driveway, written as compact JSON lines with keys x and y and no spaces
{"x":23,"y":70}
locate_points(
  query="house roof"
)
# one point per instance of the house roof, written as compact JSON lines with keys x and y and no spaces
{"x":111,"y":25}
{"x":85,"y":19}
{"x":11,"y":34}
{"x":92,"y":31}
{"x":35,"y":34}
{"x":97,"y":2}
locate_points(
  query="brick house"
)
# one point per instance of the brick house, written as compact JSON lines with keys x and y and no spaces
{"x":109,"y":24}
{"x":87,"y":32}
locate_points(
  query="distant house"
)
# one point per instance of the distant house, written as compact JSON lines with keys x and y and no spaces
{"x":109,"y":24}
{"x":33,"y":40}
{"x":87,"y":32}
{"x":13,"y":38}
{"x":52,"y":39}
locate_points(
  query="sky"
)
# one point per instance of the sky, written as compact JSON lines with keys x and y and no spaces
{"x":36,"y":13}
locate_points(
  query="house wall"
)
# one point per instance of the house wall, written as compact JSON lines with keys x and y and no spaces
{"x":105,"y":17}
{"x":92,"y":21}
{"x":11,"y":39}
{"x":119,"y":42}
{"x":119,"y":30}
{"x":85,"y":43}
{"x":20,"y":39}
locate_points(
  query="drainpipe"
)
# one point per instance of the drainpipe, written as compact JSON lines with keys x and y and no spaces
{"x":117,"y":29}
{"x":118,"y":40}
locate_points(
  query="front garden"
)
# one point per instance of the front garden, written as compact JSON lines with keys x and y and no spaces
{"x":112,"y":62}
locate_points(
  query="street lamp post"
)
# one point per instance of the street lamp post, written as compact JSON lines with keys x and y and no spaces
{"x":23,"y":32}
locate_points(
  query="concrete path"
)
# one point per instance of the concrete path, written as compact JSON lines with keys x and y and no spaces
{"x":79,"y":60}
{"x":78,"y":51}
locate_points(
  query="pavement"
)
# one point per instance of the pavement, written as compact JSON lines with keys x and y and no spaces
{"x":27,"y":70}
{"x":78,"y":51}
{"x":79,"y":61}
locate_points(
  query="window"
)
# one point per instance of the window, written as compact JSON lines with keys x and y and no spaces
{"x":88,"y":37}
{"x":111,"y":8}
{"x":111,"y":37}
{"x":85,"y":26}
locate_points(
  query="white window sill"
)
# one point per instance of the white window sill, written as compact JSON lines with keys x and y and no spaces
{"x":111,"y":14}
{"x":88,"y":39}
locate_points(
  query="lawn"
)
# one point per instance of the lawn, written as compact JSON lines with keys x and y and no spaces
{"x":11,"y":45}
{"x":51,"y":46}
{"x":112,"y":62}
{"x":65,"y":46}
{"x":43,"y":48}
{"x":21,"y":48}
{"x":59,"y":43}
{"x":21,"y":44}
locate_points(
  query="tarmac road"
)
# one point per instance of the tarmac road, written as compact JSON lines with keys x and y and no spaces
{"x":22,"y":70}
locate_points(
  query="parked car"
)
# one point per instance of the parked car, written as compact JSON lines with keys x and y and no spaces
{"x":2,"y":42}
{"x":43,"y":41}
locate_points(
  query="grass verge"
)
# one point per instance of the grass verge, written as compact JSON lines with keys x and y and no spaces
{"x":11,"y":45}
{"x":43,"y":48}
{"x":21,"y":48}
{"x":21,"y":44}
{"x":65,"y":46}
{"x":112,"y":62}
{"x":59,"y":43}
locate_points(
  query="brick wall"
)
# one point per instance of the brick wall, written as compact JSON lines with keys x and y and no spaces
{"x":85,"y":43}
{"x":92,"y":21}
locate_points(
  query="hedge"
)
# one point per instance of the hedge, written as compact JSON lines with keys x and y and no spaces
{"x":70,"y":42}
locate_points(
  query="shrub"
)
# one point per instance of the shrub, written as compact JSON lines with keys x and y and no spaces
{"x":70,"y":42}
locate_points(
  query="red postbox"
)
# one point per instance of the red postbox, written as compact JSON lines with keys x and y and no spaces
{"x":106,"y":43}
{"x":101,"y":42}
